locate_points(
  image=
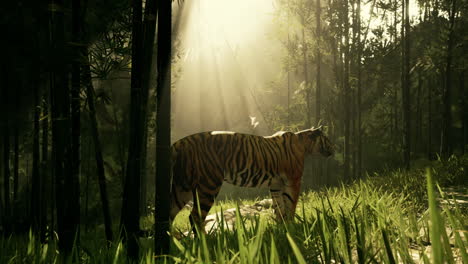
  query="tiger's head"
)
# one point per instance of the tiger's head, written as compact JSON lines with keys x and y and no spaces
{"x":315,"y":142}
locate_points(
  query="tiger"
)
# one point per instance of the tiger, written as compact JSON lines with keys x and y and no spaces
{"x":203,"y":161}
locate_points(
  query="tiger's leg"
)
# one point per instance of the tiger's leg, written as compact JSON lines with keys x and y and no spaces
{"x":276,"y":191}
{"x":290,"y":197}
{"x":180,"y":198}
{"x":285,"y":194}
{"x":204,"y":198}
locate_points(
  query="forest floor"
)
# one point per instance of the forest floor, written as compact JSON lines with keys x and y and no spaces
{"x":393,"y":217}
{"x":452,"y":203}
{"x":459,"y":195}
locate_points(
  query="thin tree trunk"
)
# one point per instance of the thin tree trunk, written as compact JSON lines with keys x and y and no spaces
{"x":35,"y":181}
{"x":6,"y":178}
{"x":407,"y":105}
{"x":43,"y":182}
{"x":48,"y":156}
{"x":406,"y":85}
{"x":289,"y":71}
{"x":352,"y":92}
{"x":60,"y":104}
{"x":353,"y":134}
{"x":14,"y":123}
{"x":41,"y":103}
{"x":464,"y":111}
{"x":429,"y":122}
{"x":418,"y":138}
{"x":2,"y":217}
{"x":394,"y":137}
{"x":354,"y":73}
{"x":306,"y":78}
{"x":163,"y":128}
{"x":336,"y":68}
{"x":149,"y":29}
{"x":98,"y":153}
{"x":5,"y":157}
{"x":359,"y":87}
{"x":74,"y":177}
{"x":346,"y":87}
{"x":318,"y":85}
{"x":16,"y":163}
{"x":447,"y":120}
{"x":396,"y":117}
{"x":131,"y":196}
{"x":86,"y":210}
{"x":16,"y":153}
{"x":1,"y":195}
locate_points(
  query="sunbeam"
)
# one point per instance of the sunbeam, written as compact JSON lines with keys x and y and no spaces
{"x":225,"y":54}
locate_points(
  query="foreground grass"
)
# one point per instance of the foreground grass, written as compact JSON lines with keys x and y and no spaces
{"x":391,"y":218}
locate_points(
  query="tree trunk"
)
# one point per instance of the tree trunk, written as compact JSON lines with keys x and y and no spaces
{"x":1,"y":196}
{"x":318,"y":85}
{"x":464,"y":111}
{"x":98,"y":153}
{"x":16,"y":162}
{"x":395,"y":135}
{"x":288,"y":106}
{"x":163,"y":128}
{"x":131,"y":196}
{"x":418,"y":138}
{"x":447,"y":119}
{"x":353,"y":97}
{"x":149,"y":29}
{"x":67,"y":221}
{"x":2,"y":217}
{"x":406,"y":85}
{"x":74,"y":177}
{"x":396,"y":118}
{"x":359,"y":87}
{"x":306,"y":78}
{"x":429,"y":122}
{"x":5,"y":151}
{"x":347,"y":154}
{"x":44,"y":180}
{"x":88,"y":166}
{"x":407,"y":105}
{"x":35,"y":182}
{"x":6,"y":178}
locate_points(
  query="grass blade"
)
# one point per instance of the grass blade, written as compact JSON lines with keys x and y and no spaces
{"x":435,"y":232}
{"x":274,"y":257}
{"x":388,"y":249}
{"x":296,"y":250}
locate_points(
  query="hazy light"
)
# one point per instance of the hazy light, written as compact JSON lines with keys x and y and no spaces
{"x":225,"y":56}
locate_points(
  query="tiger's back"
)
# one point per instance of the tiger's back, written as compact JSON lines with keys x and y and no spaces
{"x":240,"y":159}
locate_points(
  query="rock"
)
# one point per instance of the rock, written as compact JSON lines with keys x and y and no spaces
{"x":214,"y":221}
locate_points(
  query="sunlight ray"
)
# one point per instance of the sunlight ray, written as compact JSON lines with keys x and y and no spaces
{"x":223,"y":59}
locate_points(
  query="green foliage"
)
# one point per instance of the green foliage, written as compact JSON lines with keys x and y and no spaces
{"x":379,"y":51}
{"x":453,"y":171}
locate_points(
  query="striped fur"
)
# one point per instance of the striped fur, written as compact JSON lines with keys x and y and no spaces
{"x":203,"y":161}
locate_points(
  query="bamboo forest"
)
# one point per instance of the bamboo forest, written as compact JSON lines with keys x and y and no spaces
{"x":234,"y":131}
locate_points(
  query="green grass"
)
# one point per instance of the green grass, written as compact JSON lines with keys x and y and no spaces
{"x":395,"y":217}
